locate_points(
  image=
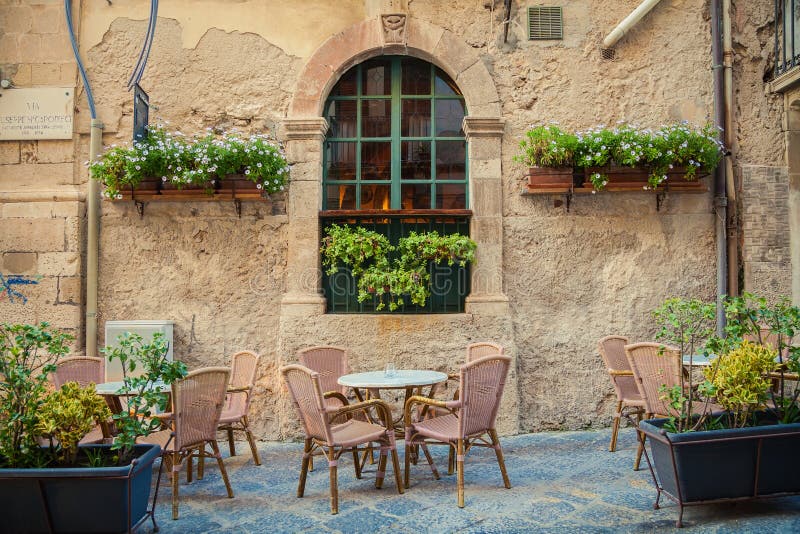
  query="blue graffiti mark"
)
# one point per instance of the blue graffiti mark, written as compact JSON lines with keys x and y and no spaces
{"x":7,"y":283}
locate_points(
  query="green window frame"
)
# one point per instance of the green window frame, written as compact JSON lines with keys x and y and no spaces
{"x":384,"y":165}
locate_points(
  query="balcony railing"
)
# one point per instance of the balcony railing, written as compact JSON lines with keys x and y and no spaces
{"x":449,"y":285}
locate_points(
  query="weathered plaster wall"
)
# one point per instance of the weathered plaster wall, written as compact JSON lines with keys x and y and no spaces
{"x":41,"y":208}
{"x":571,"y":276}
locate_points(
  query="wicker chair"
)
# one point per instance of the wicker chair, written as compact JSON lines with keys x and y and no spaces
{"x":84,"y":370}
{"x":334,"y":439}
{"x":197,"y":402}
{"x":629,"y":400}
{"x":470,"y":421}
{"x":330,"y":363}
{"x":237,"y":403}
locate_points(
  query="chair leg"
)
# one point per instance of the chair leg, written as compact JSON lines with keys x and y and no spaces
{"x":460,"y":472}
{"x":430,"y":461}
{"x":331,"y":454}
{"x":640,"y":449}
{"x":222,"y":470}
{"x":231,"y":445}
{"x":381,"y":468}
{"x":301,"y":485}
{"x":396,"y":467}
{"x":500,"y":460}
{"x":201,"y":463}
{"x":615,"y":428}
{"x":407,"y":460}
{"x":451,"y":460}
{"x":189,"y":465}
{"x":174,"y":474}
{"x":356,"y":463}
{"x":252,"y":441}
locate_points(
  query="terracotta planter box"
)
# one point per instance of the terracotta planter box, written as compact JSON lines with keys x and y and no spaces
{"x":619,"y":178}
{"x":234,"y":187}
{"x":549,"y":177}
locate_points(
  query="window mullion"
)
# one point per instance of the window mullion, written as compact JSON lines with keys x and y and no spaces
{"x":396,"y":146}
{"x":433,"y":138}
{"x":358,"y":138}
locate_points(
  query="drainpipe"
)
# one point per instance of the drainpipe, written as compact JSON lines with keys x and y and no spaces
{"x":629,"y":22}
{"x":92,"y":197}
{"x":720,"y":182}
{"x":730,"y":145}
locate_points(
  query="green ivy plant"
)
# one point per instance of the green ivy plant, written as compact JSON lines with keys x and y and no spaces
{"x":661,"y":151}
{"x":28,"y":354}
{"x":202,"y":161}
{"x":547,"y":146}
{"x":142,"y":391}
{"x":66,"y":416}
{"x":366,"y":253}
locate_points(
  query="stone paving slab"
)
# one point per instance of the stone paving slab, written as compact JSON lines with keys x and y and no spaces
{"x":561,"y":482}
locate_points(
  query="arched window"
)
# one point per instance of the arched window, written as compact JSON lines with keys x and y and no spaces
{"x":396,"y":139}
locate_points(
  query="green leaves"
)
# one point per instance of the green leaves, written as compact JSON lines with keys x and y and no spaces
{"x":28,"y":354}
{"x":142,"y":391}
{"x":366,"y":253}
{"x":547,"y":146}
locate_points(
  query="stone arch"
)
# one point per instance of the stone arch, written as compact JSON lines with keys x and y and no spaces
{"x":417,"y":38}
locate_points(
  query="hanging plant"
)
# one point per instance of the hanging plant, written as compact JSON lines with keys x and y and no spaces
{"x":200,"y":161}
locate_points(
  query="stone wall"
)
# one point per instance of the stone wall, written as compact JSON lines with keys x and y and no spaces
{"x":41,"y":208}
{"x":559,"y":279}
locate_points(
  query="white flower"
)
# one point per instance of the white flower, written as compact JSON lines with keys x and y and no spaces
{"x":258,"y":186}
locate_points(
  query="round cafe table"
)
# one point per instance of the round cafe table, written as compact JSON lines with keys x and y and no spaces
{"x":111,"y":392}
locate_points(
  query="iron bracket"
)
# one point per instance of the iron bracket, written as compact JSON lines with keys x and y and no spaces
{"x":237,"y":205}
{"x":139,"y":208}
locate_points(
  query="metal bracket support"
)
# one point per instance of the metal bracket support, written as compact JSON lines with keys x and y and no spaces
{"x":237,"y":205}
{"x":139,"y":208}
{"x":660,"y":197}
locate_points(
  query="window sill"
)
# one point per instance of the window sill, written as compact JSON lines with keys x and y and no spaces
{"x":331,"y":214}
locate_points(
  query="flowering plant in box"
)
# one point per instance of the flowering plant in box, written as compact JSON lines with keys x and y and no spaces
{"x":202,"y":161}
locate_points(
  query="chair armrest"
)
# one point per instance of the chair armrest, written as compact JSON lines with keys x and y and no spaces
{"x":239,"y":389}
{"x":336,"y":395}
{"x":418,"y":399}
{"x":620,"y":372}
{"x":384,"y":413}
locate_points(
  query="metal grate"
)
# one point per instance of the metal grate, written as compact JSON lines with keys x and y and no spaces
{"x":545,"y":23}
{"x":608,"y":54}
{"x":449,"y":284}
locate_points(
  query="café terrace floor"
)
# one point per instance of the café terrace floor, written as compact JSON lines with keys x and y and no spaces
{"x":561,"y":482}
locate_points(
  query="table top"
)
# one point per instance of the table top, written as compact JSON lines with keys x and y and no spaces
{"x":402,"y":378}
{"x":697,"y":360}
{"x":112,"y":388}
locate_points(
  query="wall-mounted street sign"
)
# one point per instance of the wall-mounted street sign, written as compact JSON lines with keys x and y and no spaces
{"x":36,"y":113}
{"x":141,"y":113}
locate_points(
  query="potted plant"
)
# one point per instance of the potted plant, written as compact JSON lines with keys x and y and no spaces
{"x":50,"y":484}
{"x":548,"y":152}
{"x":742,"y":452}
{"x":170,"y":165}
{"x":367,"y":256}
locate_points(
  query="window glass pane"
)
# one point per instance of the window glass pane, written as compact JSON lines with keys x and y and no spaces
{"x":445,"y":86}
{"x":451,"y":196}
{"x":451,"y":160}
{"x":416,"y":119}
{"x":340,"y":160}
{"x":416,"y":160}
{"x":449,"y":118}
{"x":341,"y":116}
{"x":340,"y":197}
{"x":347,"y":84}
{"x":416,"y":77}
{"x":377,"y":77}
{"x":376,"y":160}
{"x":416,"y":196}
{"x":376,"y":197}
{"x":376,"y":118}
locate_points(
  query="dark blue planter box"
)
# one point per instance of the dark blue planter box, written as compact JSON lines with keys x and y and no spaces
{"x":719,"y":465}
{"x":83,"y":499}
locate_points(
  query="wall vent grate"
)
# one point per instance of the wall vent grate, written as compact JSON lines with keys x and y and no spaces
{"x":545,"y":22}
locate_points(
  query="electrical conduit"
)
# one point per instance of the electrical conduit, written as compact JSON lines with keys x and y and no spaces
{"x":629,"y":22}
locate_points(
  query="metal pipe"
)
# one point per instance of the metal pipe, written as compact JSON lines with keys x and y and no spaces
{"x":629,"y":22}
{"x":731,"y":146}
{"x":720,"y":194}
{"x":92,"y":240}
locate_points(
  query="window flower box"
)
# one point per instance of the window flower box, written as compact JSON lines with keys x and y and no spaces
{"x":550,"y":178}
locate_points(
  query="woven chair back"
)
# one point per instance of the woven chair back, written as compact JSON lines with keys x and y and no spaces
{"x":329,"y":362}
{"x":612,"y":350}
{"x":84,"y":370}
{"x":770,"y":339}
{"x":304,"y":387}
{"x":483,"y":349}
{"x":655,"y":365}
{"x":243,"y":375}
{"x":481,"y":385}
{"x":197,"y":402}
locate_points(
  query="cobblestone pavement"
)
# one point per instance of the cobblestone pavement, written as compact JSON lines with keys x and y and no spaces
{"x":561,"y":482}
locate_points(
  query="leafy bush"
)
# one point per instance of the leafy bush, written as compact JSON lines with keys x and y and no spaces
{"x":28,"y":354}
{"x":366,"y":254}
{"x":67,"y":415}
{"x":200,"y":161}
{"x":547,"y":146}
